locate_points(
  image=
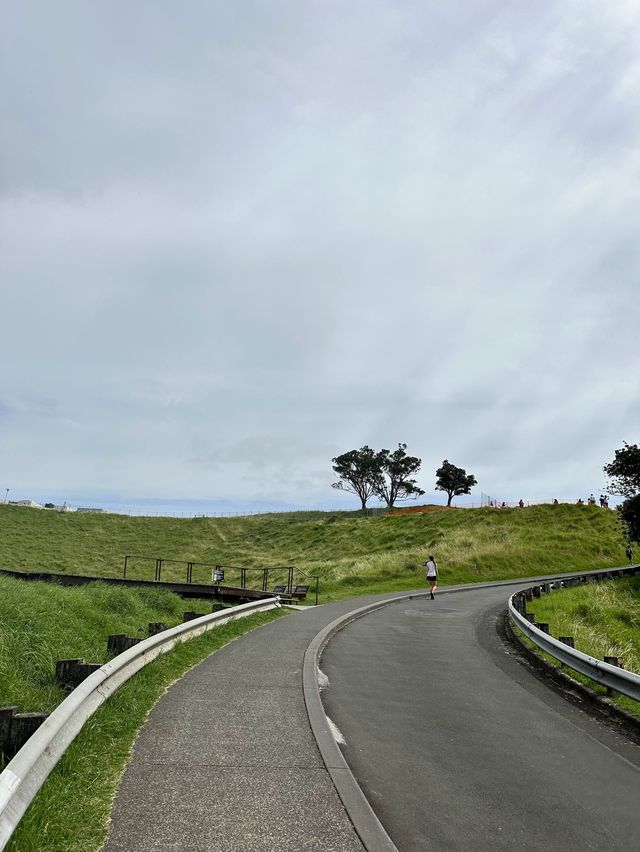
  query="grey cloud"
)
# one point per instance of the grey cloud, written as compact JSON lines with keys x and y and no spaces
{"x":238,"y":241}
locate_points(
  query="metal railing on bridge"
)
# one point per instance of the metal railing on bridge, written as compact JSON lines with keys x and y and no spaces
{"x":289,"y":579}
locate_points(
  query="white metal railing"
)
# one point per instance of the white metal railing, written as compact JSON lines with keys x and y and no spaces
{"x":627,"y":683}
{"x":27,"y":771}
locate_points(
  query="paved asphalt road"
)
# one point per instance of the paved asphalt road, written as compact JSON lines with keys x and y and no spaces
{"x":458,"y":746}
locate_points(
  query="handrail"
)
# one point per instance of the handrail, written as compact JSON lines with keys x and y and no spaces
{"x":265,"y":570}
{"x":627,"y":683}
{"x":27,"y":771}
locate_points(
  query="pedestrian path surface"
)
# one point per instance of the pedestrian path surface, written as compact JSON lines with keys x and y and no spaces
{"x":456,"y":745}
{"x":227,"y":759}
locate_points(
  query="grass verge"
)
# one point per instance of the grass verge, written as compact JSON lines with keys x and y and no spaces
{"x":71,"y":811}
{"x":604,"y":619}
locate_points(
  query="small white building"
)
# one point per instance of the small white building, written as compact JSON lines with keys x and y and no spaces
{"x":30,"y":503}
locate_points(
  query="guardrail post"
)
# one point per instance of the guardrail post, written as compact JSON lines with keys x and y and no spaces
{"x":156,"y":627}
{"x":22,"y":726}
{"x":613,"y":661}
{"x":567,"y":640}
{"x":67,"y":673}
{"x":124,"y":570}
{"x":6,"y":717}
{"x":190,"y":615}
{"x":530,"y":616}
{"x":528,"y":594}
{"x":535,"y":591}
{"x":119,"y":642}
{"x":542,"y":625}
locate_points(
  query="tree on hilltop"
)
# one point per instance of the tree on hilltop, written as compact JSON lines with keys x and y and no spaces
{"x":624,"y":472}
{"x":454,"y":480}
{"x":394,"y":480}
{"x":358,"y":472}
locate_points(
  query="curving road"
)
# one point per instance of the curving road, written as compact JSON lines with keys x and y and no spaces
{"x":458,"y":746}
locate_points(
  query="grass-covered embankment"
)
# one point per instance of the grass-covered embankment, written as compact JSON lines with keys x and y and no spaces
{"x":41,"y":623}
{"x":351,"y":554}
{"x":603,"y":618}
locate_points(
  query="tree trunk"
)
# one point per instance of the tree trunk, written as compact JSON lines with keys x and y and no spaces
{"x":450,"y":498}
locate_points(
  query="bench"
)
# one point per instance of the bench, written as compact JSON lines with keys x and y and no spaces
{"x":299,"y":592}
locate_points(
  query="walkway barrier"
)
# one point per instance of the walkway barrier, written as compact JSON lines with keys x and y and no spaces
{"x":604,"y":673}
{"x":27,"y":771}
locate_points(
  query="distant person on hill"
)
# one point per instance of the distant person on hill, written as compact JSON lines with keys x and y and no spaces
{"x":629,"y":552}
{"x":555,"y":502}
{"x":521,"y":503}
{"x":579,"y":502}
{"x":432,"y":574}
{"x":592,"y":500}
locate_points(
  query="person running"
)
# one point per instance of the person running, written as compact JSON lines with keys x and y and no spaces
{"x":432,"y":574}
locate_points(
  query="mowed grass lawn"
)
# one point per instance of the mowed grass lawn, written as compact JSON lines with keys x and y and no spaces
{"x":351,"y":554}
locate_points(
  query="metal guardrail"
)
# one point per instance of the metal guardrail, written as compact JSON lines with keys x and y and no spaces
{"x":627,"y":683}
{"x":27,"y":771}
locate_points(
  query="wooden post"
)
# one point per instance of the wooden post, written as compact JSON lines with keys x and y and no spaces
{"x":67,"y":673}
{"x":119,"y":642}
{"x":567,"y":640}
{"x":6,"y":718}
{"x":613,"y":661}
{"x":190,"y":615}
{"x":542,"y":625}
{"x":22,"y":726}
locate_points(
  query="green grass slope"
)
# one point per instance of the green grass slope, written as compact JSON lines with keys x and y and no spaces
{"x":41,"y":623}
{"x":350,"y":553}
{"x":604,"y":620}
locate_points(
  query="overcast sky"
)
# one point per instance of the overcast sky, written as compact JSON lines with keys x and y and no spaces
{"x":239,"y":239}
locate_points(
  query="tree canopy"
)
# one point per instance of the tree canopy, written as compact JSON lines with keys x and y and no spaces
{"x":394,"y":480}
{"x":624,"y":472}
{"x":384,"y":474}
{"x":357,"y":473}
{"x":454,"y":480}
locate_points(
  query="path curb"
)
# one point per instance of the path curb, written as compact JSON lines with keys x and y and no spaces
{"x":367,"y":825}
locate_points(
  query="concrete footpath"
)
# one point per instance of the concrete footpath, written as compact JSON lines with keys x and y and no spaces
{"x":227,"y":759}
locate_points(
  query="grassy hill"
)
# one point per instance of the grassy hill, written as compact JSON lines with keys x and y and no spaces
{"x":351,"y":554}
{"x":41,"y":623}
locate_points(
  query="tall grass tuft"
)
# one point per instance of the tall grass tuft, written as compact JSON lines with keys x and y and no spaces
{"x":41,"y":623}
